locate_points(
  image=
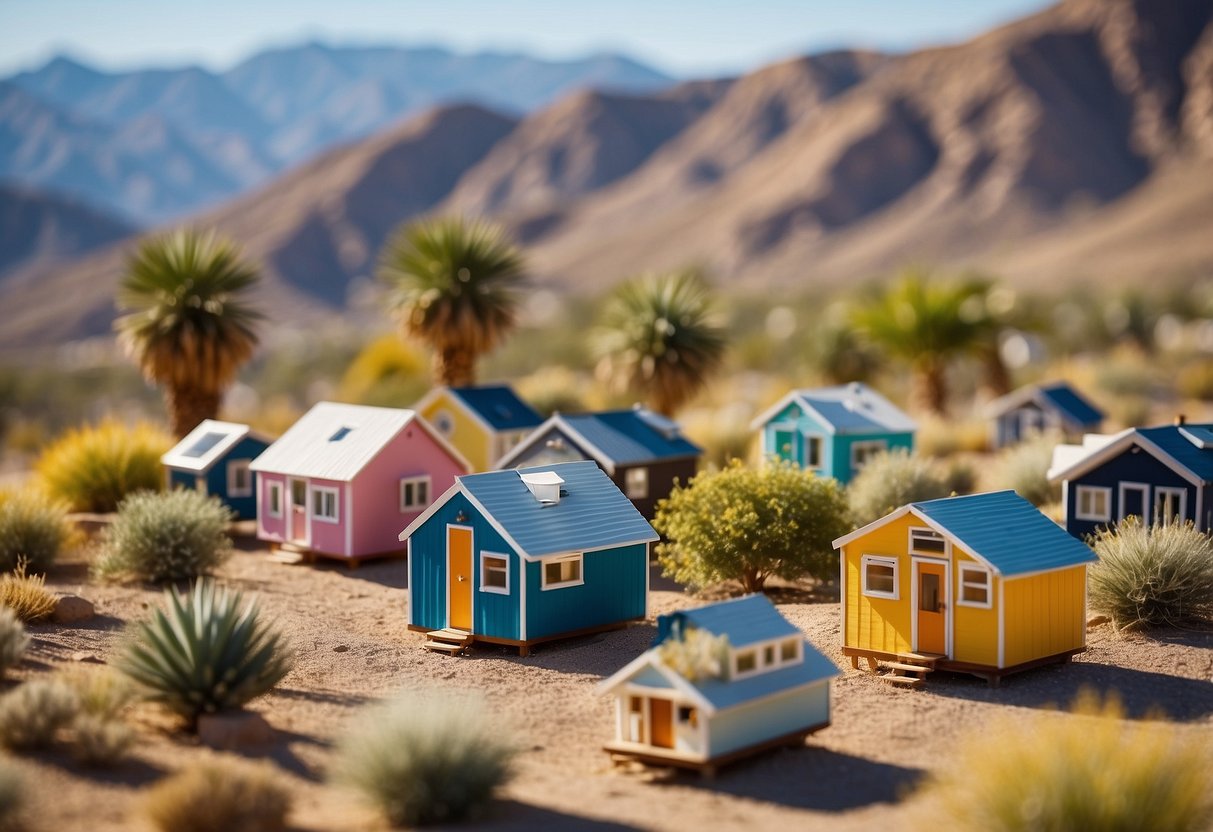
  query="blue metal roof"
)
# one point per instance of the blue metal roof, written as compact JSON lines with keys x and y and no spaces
{"x":630,"y":436}
{"x":499,"y":405}
{"x":1073,"y":406}
{"x":1007,"y":531}
{"x":727,"y":693}
{"x":592,"y":512}
{"x":1189,"y":454}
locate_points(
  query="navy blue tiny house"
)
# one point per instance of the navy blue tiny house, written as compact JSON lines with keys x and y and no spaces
{"x":1041,"y":408}
{"x":524,"y":556}
{"x":214,"y":459}
{"x":1162,"y":475}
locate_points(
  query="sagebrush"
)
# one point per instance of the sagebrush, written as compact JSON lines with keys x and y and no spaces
{"x":230,"y":796}
{"x":33,"y":714}
{"x":1023,"y":468}
{"x":33,"y":529}
{"x":166,"y":537}
{"x":890,"y":480}
{"x":26,"y":595}
{"x":426,"y":758}
{"x":93,"y":468}
{"x":13,"y":640}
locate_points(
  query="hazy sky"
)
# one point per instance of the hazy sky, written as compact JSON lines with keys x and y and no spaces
{"x":685,"y":37}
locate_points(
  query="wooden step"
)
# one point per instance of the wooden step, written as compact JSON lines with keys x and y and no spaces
{"x":448,"y":640}
{"x":444,"y":647}
{"x":909,"y":668}
{"x":903,"y":681}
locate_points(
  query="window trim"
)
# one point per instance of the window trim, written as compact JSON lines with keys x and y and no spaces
{"x":988,"y":585}
{"x":811,"y":441}
{"x":737,"y":672}
{"x":880,"y":560}
{"x":759,"y":649}
{"x":630,"y":489}
{"x":1079,"y":514}
{"x":321,"y":491}
{"x":484,"y":570}
{"x":271,"y":487}
{"x":927,"y":553}
{"x":1173,"y":490}
{"x":419,"y":479}
{"x":234,"y":465}
{"x":878,"y":444}
{"x":543,"y":572}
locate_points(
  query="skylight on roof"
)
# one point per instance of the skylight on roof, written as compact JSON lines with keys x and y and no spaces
{"x":340,"y":434}
{"x":207,"y":441}
{"x":666,"y":427}
{"x":1200,"y":437}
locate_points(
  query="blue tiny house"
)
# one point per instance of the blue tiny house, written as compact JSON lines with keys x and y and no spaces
{"x":519,"y":557}
{"x":762,"y":686}
{"x":833,"y":430}
{"x":214,"y":458}
{"x":1160,"y":474}
{"x":1055,"y":407}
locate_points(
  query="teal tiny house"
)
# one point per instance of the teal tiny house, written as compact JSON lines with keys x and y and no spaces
{"x":524,"y":556}
{"x":833,"y":430}
{"x":214,"y":458}
{"x":720,"y":683}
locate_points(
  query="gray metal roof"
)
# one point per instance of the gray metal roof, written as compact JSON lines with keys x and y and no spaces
{"x":845,"y":408}
{"x":333,"y":441}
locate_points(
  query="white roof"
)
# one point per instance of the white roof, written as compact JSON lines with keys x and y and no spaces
{"x":1068,"y":457}
{"x":335,"y":441}
{"x":202,"y":446}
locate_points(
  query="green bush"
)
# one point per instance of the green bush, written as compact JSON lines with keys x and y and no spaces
{"x":890,"y":480}
{"x":1088,"y":770}
{"x":241,"y":797}
{"x":749,"y":524}
{"x":94,"y":467}
{"x":13,"y":640}
{"x":32,"y":715}
{"x":1152,"y":575}
{"x":166,"y":537}
{"x":1022,"y":468}
{"x":426,"y":758}
{"x":33,"y":528}
{"x":206,"y":652}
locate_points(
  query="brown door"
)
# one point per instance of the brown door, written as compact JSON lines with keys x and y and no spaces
{"x":661,"y":722}
{"x":932,"y":584}
{"x":459,"y":566}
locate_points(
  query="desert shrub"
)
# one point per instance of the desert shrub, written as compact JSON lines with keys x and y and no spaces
{"x":426,"y":758}
{"x":235,"y":797}
{"x":1089,"y":770}
{"x":748,"y":524}
{"x":32,"y":715}
{"x":103,"y":692}
{"x":696,"y":654}
{"x":206,"y":651}
{"x":1195,"y":380}
{"x":890,"y":480}
{"x":94,"y":467}
{"x":166,"y":537}
{"x":13,"y":640}
{"x":26,"y":595}
{"x":12,"y":795}
{"x":98,"y":741}
{"x":1152,"y":575}
{"x":958,"y":476}
{"x":1022,"y":468}
{"x":33,"y":528}
{"x":940,"y":438}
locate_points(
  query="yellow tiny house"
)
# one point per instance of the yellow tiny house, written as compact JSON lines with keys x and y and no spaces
{"x":984,"y":584}
{"x":484,"y":422}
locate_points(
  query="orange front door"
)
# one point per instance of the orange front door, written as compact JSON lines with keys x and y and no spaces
{"x":932,"y":604}
{"x":661,"y":722}
{"x":459,"y":573}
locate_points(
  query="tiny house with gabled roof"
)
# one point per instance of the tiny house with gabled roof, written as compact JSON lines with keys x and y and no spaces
{"x":215,"y":458}
{"x":643,"y":452}
{"x":519,"y":557}
{"x":833,"y":431}
{"x":344,"y":479}
{"x":982,"y":584}
{"x":484,"y":422}
{"x":719,"y":683}
{"x":1055,"y":407}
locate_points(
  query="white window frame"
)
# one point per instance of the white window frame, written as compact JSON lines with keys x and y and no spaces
{"x":636,"y":490}
{"x":759,"y":649}
{"x":797,"y":653}
{"x":543,"y":573}
{"x":321,"y":492}
{"x":1173,"y":491}
{"x":867,"y":444}
{"x":234,"y":466}
{"x":881,"y":560}
{"x":1093,"y":491}
{"x":946,"y":552}
{"x":484,"y":570}
{"x":274,"y":487}
{"x":811,"y":441}
{"x":421,"y":479}
{"x":987,"y":585}
{"x":754,"y":649}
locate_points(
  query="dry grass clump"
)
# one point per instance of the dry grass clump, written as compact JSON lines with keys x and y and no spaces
{"x":93,"y":468}
{"x":26,"y":595}
{"x":13,"y":640}
{"x":1087,"y":770}
{"x":1152,"y":575}
{"x":166,"y":537}
{"x":1022,"y":468}
{"x":228,"y":796}
{"x":99,"y":735}
{"x":890,"y":480}
{"x":426,"y":758}
{"x":32,"y":715}
{"x":33,"y":529}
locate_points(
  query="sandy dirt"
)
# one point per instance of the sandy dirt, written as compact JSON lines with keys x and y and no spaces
{"x":348,"y":627}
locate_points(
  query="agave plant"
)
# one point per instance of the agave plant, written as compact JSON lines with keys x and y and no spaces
{"x":206,"y":652}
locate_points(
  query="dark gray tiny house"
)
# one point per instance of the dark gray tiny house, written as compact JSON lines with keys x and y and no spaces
{"x":642,"y":452}
{"x":1041,"y":408}
{"x":214,"y":459}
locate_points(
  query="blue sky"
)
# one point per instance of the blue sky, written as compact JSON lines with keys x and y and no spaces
{"x":684,"y":37}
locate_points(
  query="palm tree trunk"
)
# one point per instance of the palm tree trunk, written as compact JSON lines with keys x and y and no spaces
{"x":187,"y":406}
{"x":996,"y":377}
{"x":454,"y":367}
{"x":932,"y":387}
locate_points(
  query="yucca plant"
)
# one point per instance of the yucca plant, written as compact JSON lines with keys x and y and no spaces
{"x":206,"y":651}
{"x":33,"y":529}
{"x":94,"y":467}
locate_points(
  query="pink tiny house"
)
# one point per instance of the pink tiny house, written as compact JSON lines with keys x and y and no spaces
{"x":345,"y":478}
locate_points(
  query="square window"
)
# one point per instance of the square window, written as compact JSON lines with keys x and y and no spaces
{"x":414,"y":493}
{"x":747,"y":662}
{"x":494,"y":573}
{"x":636,"y":483}
{"x":324,"y":504}
{"x":789,"y":650}
{"x":1093,"y":503}
{"x":880,"y":577}
{"x":562,"y":572}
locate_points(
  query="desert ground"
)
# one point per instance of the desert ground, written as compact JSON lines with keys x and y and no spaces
{"x":348,"y":627}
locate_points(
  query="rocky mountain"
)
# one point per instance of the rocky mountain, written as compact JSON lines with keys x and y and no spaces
{"x":39,"y":229}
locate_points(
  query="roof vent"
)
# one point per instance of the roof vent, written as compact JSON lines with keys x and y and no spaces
{"x":545,"y":485}
{"x":1180,"y":420}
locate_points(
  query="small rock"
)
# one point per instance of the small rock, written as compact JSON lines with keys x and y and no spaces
{"x":1095,"y":620}
{"x":341,"y":648}
{"x":234,"y":731}
{"x":91,"y":658}
{"x":70,"y":609}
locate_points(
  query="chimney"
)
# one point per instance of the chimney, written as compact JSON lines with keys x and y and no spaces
{"x":1180,"y":420}
{"x":545,"y":485}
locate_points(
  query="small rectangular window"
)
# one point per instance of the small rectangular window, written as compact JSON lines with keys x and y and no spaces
{"x":861,"y":452}
{"x":414,"y":493}
{"x":562,"y":572}
{"x":880,"y":577}
{"x":927,"y":542}
{"x":239,"y":478}
{"x":1170,"y":505}
{"x":636,"y":482}
{"x":1093,"y":503}
{"x":747,"y":662}
{"x":974,"y":586}
{"x":494,"y":573}
{"x":789,"y":650}
{"x":768,"y":656}
{"x":813,"y":451}
{"x":274,"y":498}
{"x":324,"y":504}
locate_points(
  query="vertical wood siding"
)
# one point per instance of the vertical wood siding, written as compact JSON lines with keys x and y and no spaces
{"x":614,"y":590}
{"x":467,"y":435}
{"x":1045,"y":614}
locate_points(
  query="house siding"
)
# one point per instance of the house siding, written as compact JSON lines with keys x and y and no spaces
{"x":615,"y":590}
{"x":1046,"y":614}
{"x":472,"y":440}
{"x":272,"y":528}
{"x":326,"y":537}
{"x":662,"y":476}
{"x":772,"y":716}
{"x":248,"y":449}
{"x":840,"y":452}
{"x":975,"y":630}
{"x":1127,"y":467}
{"x":538,"y":452}
{"x":835,"y":448}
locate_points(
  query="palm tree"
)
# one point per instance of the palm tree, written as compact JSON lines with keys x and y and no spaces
{"x":926,"y":323}
{"x":659,"y":338}
{"x":455,"y":286}
{"x":186,"y":319}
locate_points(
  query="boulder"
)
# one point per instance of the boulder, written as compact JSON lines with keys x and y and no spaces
{"x":234,"y":730}
{"x":72,"y":609}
